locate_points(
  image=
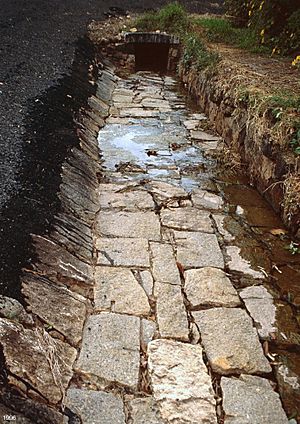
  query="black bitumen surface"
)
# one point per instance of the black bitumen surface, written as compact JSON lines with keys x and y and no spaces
{"x":38,"y":39}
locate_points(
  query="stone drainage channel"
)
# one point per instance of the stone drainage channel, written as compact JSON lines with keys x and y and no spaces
{"x":172,"y":322}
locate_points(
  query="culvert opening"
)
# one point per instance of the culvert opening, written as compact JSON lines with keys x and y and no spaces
{"x":153,"y":51}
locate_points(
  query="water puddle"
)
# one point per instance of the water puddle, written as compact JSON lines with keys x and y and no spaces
{"x":154,"y":134}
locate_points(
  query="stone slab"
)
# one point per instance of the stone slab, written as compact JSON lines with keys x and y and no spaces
{"x":260,"y":305}
{"x":195,"y":250}
{"x":203,"y":136}
{"x":57,"y":306}
{"x":138,"y":113}
{"x":205,"y":199}
{"x":123,"y":252}
{"x":147,"y":282}
{"x":237,"y":263}
{"x":170,"y":311}
{"x":61,"y":266}
{"x":163,"y":191}
{"x":209,"y":287}
{"x":116,"y":289}
{"x":129,"y":201}
{"x":26,"y":352}
{"x":12,"y":309}
{"x":180,"y":382}
{"x":128,"y":224}
{"x":222,"y":221}
{"x":145,"y":411}
{"x":148,"y":329}
{"x":111,"y":348}
{"x":95,"y":407}
{"x":187,"y":218}
{"x":251,"y":400}
{"x":164,"y":268}
{"x":230,"y":341}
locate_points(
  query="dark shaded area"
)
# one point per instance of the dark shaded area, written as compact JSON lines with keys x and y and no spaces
{"x":50,"y":132}
{"x":151,"y":57}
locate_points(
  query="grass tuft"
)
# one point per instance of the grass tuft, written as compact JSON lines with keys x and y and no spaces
{"x":172,"y":18}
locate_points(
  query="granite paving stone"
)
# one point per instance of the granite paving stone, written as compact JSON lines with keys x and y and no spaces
{"x":196,"y":250}
{"x":128,"y":224}
{"x":230,"y":341}
{"x":251,"y":400}
{"x":260,"y":305}
{"x":187,"y":218}
{"x":209,"y":287}
{"x":95,"y":407}
{"x":117,"y":289}
{"x":205,"y":199}
{"x":132,"y":252}
{"x":147,"y":282}
{"x":164,"y":268}
{"x":111,"y":348}
{"x":128,"y":201}
{"x":181,"y":384}
{"x":171,"y":313}
{"x":239,"y":264}
{"x":145,"y":411}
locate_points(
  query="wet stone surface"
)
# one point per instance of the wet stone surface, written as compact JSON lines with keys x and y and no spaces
{"x":162,"y":252}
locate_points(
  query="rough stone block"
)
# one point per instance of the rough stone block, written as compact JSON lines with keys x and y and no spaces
{"x":251,"y":400}
{"x":180,"y":382}
{"x":209,"y":287}
{"x":129,"y":224}
{"x":195,"y":250}
{"x":171,"y":313}
{"x":123,"y":252}
{"x":116,"y":289}
{"x":26,"y":352}
{"x":230,"y":341}
{"x":111,"y":348}
{"x":64,"y":310}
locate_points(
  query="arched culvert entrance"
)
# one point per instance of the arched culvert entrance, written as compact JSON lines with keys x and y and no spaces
{"x":153,"y":51}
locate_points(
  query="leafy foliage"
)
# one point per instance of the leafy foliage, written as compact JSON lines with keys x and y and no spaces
{"x":276,"y":22}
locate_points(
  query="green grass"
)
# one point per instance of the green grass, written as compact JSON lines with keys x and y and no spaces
{"x":172,"y":18}
{"x":220,"y":30}
{"x":197,"y":55}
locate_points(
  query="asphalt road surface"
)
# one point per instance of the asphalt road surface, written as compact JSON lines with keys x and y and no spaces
{"x":38,"y":42}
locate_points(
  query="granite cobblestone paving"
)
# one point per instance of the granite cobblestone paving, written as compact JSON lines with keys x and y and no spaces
{"x":157,"y":310}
